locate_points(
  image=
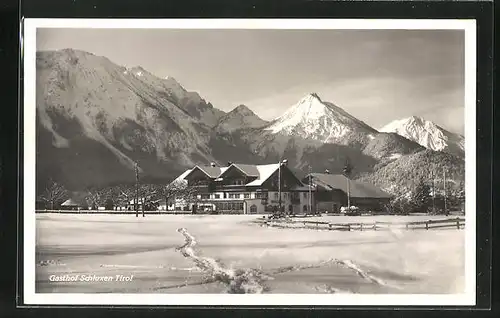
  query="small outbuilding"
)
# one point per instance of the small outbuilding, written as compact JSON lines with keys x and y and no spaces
{"x":72,"y":204}
{"x":331,"y":191}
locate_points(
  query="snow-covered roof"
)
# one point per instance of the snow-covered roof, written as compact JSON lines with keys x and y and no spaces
{"x":212,"y":172}
{"x":265,"y":172}
{"x":357,"y":189}
{"x":260,"y":172}
{"x":249,"y":170}
{"x":70,"y":202}
{"x":183,"y":175}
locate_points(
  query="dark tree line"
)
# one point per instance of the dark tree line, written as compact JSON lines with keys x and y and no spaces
{"x":428,"y":198}
{"x":146,"y":196}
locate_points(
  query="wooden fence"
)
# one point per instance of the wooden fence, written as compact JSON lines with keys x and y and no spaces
{"x":458,"y":223}
{"x":116,"y":212}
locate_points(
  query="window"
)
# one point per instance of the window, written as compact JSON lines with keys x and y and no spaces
{"x":247,"y":195}
{"x":231,"y":195}
{"x":276,"y":195}
{"x":217,"y":196}
{"x":290,"y":208}
{"x":305,"y":208}
{"x":236,"y":206}
{"x":205,"y":196}
{"x":253,"y":208}
{"x":261,"y":195}
{"x":305,"y":195}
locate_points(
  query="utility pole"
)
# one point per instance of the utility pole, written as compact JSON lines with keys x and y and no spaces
{"x":444,"y":187}
{"x":310,"y":190}
{"x":348,"y":194}
{"x":279,"y":188}
{"x":433,"y":193}
{"x":136,"y":168}
{"x":347,"y":172}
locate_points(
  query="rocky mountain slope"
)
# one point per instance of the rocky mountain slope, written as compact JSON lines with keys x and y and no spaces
{"x":390,"y":146}
{"x":101,"y":118}
{"x":239,"y":118}
{"x":96,"y":119}
{"x":427,"y":134}
{"x":171,"y":90}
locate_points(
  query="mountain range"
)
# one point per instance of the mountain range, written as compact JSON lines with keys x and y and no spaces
{"x":427,"y":134}
{"x":96,"y":119}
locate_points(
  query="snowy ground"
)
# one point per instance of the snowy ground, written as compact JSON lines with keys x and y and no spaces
{"x":219,"y":254}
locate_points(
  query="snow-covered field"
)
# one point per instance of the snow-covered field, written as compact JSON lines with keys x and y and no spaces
{"x":230,"y":253}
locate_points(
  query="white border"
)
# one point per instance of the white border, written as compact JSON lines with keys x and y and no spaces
{"x":30,"y":297}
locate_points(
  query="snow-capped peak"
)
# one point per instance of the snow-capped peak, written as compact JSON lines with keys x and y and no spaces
{"x":426,"y":133}
{"x":311,"y":107}
{"x":323,"y":121}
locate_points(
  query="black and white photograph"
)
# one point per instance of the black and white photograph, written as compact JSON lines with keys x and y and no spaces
{"x":253,"y":162}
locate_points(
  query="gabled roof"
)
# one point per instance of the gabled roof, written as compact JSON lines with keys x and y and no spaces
{"x":211,"y":172}
{"x":249,"y":170}
{"x":357,"y":189}
{"x":180,"y":179}
{"x":70,"y":202}
{"x":260,"y":172}
{"x":183,"y":175}
{"x":265,"y":172}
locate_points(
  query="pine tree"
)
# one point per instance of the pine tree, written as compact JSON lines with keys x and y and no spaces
{"x":421,"y":198}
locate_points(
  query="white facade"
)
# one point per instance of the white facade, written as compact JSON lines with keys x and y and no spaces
{"x":253,"y":202}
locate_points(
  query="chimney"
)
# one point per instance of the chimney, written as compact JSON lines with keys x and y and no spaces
{"x":212,"y":164}
{"x":327,"y":171}
{"x":229,"y":163}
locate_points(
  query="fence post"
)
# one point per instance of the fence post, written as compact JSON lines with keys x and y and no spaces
{"x":407,"y":226}
{"x":361,"y":227}
{"x":349,"y":227}
{"x":458,"y":224}
{"x":426,"y":225}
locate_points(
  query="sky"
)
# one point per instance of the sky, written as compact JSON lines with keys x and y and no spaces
{"x":376,"y":75}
